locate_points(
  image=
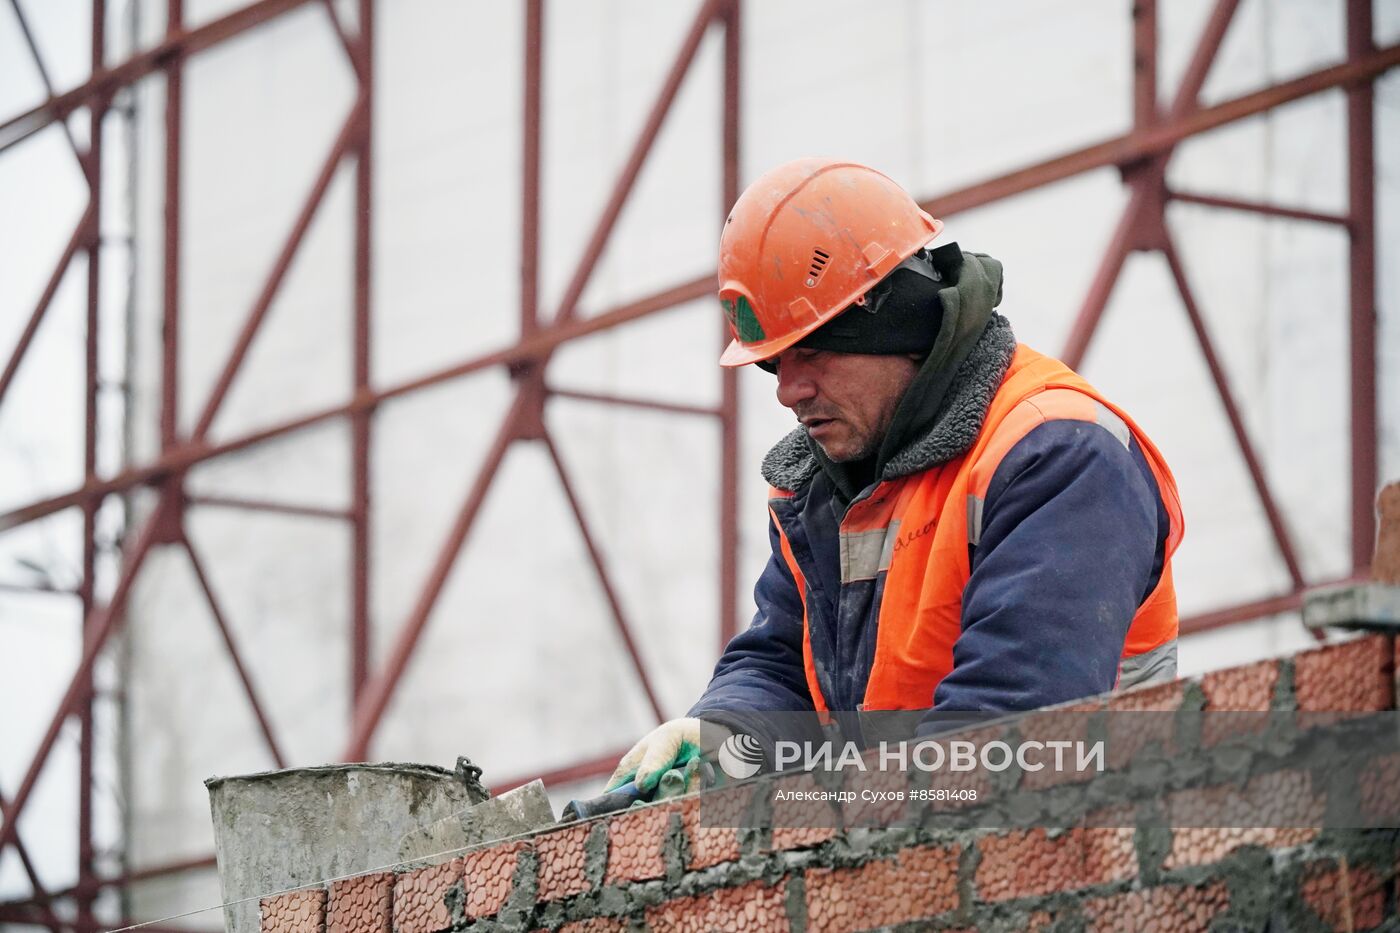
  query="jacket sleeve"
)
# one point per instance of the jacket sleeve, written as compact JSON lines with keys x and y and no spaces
{"x":1072,"y":542}
{"x":762,"y":668}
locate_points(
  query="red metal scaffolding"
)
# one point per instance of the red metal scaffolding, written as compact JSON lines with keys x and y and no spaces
{"x":1142,"y":155}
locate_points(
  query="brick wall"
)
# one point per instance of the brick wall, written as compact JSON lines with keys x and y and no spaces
{"x":658,"y":868}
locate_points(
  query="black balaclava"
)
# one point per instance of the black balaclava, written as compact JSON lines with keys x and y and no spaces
{"x":901,"y":315}
{"x":923,"y":311}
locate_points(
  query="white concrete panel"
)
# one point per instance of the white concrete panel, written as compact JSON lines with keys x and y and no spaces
{"x":1050,"y":242}
{"x":447,"y":184}
{"x":62,"y":31}
{"x":43,"y":418}
{"x":189,"y":713}
{"x":428,"y":450}
{"x":598,"y":92}
{"x":311,"y":468}
{"x":519,"y":667}
{"x":260,"y":116}
{"x":40,"y":640}
{"x":1388,"y":272}
{"x":1387,"y":23}
{"x":1269,"y":637}
{"x":644,"y":513}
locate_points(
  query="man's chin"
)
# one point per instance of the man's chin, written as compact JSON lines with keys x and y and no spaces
{"x":840,"y":453}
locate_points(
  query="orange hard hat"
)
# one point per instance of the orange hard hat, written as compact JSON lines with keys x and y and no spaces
{"x":803,"y":243}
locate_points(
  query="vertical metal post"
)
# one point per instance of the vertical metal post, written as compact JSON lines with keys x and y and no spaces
{"x":123,"y":722}
{"x":530,"y":170}
{"x":360,"y":421}
{"x":1144,"y":63}
{"x":1361,"y":172}
{"x":170,"y":331}
{"x":729,"y":378}
{"x":85,"y":891}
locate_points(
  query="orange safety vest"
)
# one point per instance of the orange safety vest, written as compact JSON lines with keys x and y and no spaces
{"x":916,"y":529}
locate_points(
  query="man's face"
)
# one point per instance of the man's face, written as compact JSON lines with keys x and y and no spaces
{"x":846,"y":401}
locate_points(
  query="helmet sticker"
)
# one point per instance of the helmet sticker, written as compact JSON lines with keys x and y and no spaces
{"x":750,"y":331}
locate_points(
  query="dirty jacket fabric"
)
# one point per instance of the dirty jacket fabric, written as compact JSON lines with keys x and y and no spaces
{"x":1057,"y":586}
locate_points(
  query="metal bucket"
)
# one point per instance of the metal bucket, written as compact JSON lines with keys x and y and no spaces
{"x":280,"y":829}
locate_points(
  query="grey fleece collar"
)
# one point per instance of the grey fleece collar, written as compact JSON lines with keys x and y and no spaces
{"x":790,"y":464}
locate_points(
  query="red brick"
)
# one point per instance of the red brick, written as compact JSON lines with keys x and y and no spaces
{"x":1385,"y":565}
{"x":800,"y":837}
{"x":293,"y":912}
{"x":1029,"y":863}
{"x":364,"y":904}
{"x":916,"y":885}
{"x":1352,"y":676}
{"x":1378,"y":786}
{"x":1208,"y":845}
{"x":711,"y":825}
{"x":1350,"y":898}
{"x":1276,"y":810}
{"x":562,"y":862}
{"x":1150,"y":698}
{"x":489,"y":874}
{"x":800,"y":824}
{"x":1284,"y":798}
{"x":635,"y":843}
{"x":1167,"y":909}
{"x":1248,"y":688}
{"x":1237,"y":701}
{"x":1064,"y":724}
{"x":1141,"y":717}
{"x":752,"y":907}
{"x":420,"y":898}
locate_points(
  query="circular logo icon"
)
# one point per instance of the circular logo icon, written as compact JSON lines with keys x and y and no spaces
{"x":740,"y":756}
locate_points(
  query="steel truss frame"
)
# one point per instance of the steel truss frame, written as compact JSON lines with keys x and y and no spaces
{"x":1141,"y":155}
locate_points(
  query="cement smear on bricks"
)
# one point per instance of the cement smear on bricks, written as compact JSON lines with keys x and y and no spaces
{"x":1135,"y":870}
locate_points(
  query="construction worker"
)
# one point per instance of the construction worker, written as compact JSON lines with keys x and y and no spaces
{"x":958,"y":523}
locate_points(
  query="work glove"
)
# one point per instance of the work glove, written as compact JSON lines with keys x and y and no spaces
{"x":670,"y":746}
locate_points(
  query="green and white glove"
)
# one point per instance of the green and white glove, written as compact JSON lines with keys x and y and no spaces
{"x":671,"y":745}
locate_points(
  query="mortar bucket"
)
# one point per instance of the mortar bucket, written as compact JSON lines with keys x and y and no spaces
{"x":280,"y":829}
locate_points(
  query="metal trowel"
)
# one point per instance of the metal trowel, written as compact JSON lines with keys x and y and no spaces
{"x":518,"y":811}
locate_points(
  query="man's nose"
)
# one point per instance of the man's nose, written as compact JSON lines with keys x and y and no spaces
{"x":795,"y":384}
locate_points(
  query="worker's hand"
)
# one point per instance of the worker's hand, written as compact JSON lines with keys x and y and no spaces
{"x":669,"y":745}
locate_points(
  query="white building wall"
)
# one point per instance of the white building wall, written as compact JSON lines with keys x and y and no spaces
{"x":520,"y":666}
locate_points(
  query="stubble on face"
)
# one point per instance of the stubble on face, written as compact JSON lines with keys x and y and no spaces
{"x":846,"y":401}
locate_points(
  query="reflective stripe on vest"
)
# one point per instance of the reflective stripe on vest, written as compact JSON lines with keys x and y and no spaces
{"x":917,"y":529}
{"x":1157,"y":665}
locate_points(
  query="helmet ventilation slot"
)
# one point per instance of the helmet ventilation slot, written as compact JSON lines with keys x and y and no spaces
{"x":820,"y":258}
